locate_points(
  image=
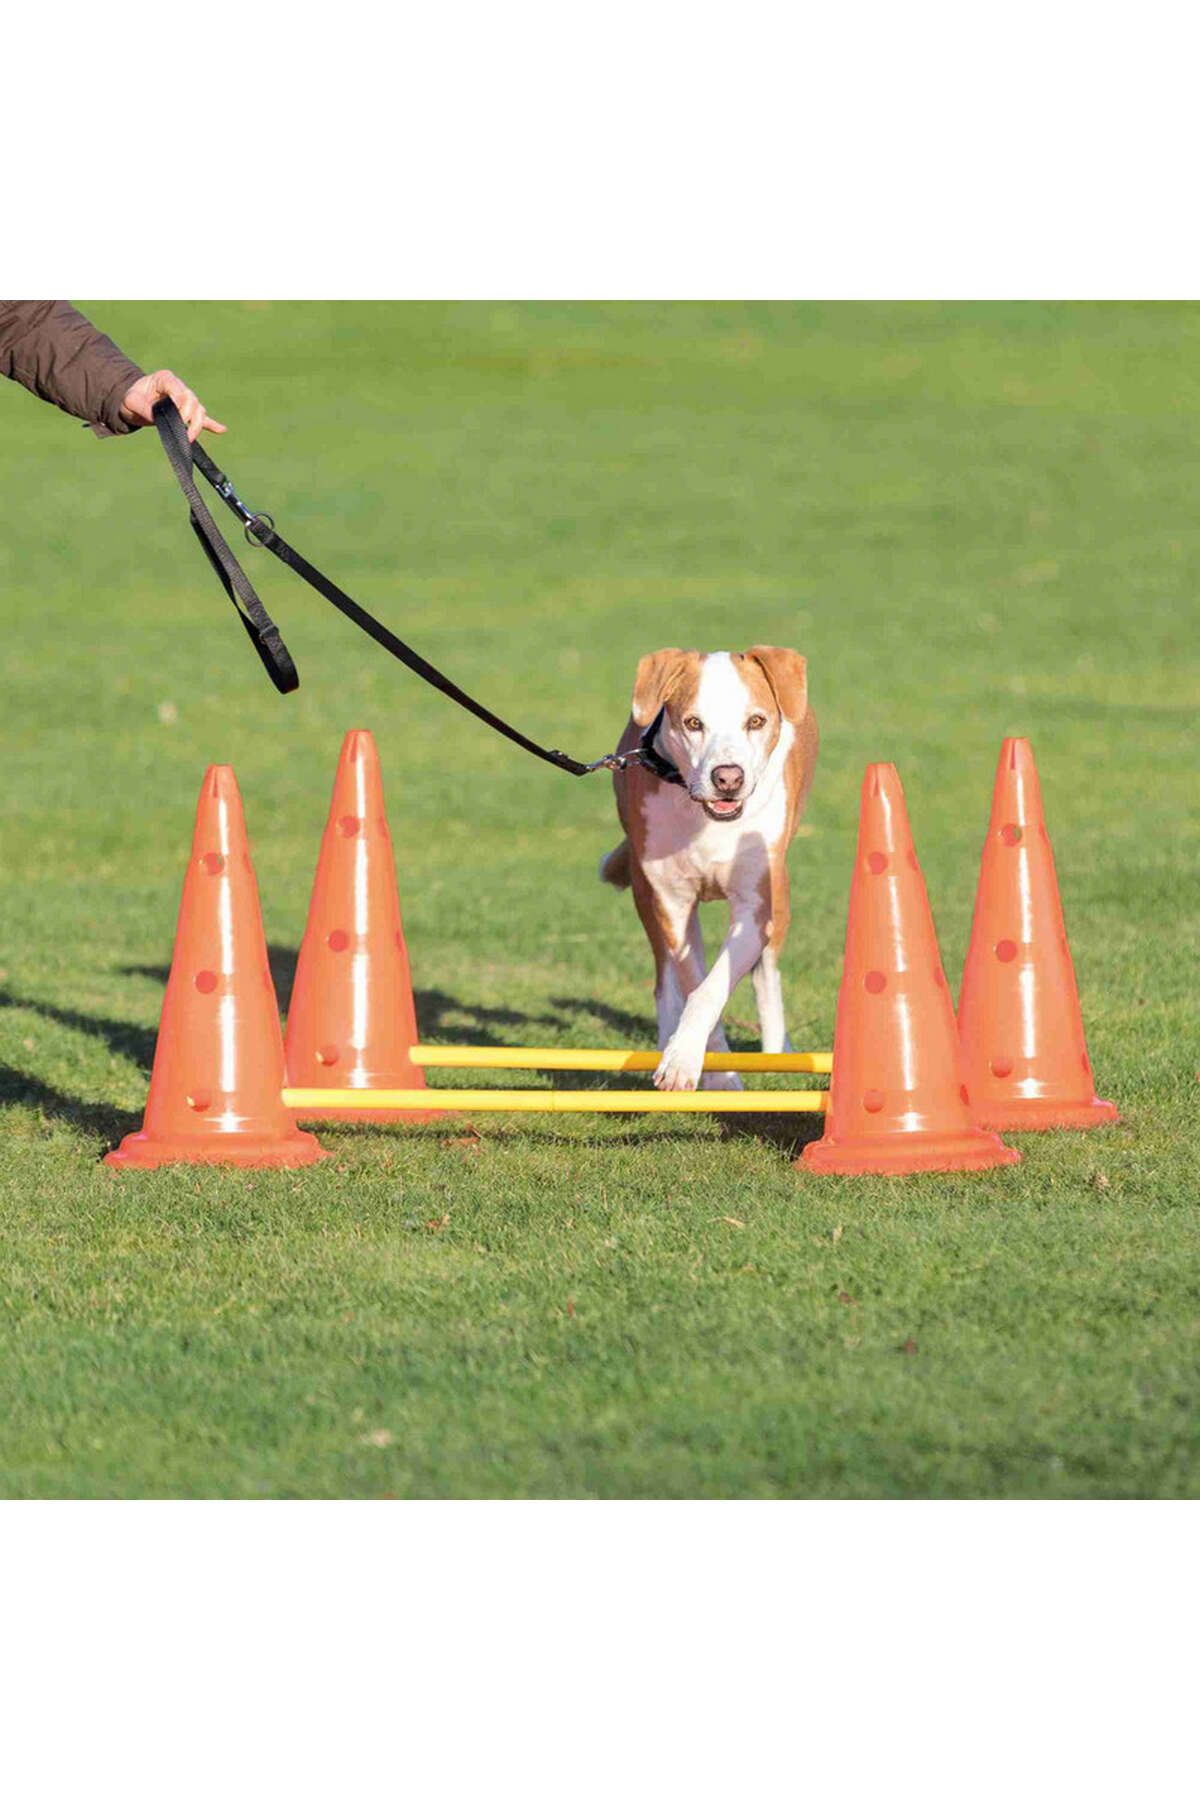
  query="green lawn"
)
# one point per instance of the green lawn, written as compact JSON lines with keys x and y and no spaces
{"x":975,"y":520}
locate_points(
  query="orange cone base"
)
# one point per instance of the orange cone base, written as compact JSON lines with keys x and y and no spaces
{"x":1046,"y":1115}
{"x":933,"y":1152}
{"x":138,"y":1151}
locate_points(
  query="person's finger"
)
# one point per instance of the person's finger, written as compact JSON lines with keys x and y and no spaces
{"x":168,"y":383}
{"x":139,"y":402}
{"x":188,"y":406}
{"x":191,"y":412}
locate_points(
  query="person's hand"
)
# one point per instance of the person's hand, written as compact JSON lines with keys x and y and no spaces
{"x":137,"y":408}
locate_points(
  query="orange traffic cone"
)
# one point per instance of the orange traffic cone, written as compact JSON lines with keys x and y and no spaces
{"x":897,"y":1103}
{"x":218,"y":1066}
{"x":1021,"y":1030}
{"x":351,"y":1023}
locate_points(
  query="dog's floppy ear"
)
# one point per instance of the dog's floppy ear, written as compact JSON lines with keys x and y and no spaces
{"x":787,"y":676}
{"x":656,"y":675}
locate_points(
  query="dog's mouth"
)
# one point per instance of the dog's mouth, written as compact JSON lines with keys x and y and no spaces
{"x":723,"y":809}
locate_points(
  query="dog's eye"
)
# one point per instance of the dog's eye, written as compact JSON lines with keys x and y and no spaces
{"x":692,"y":723}
{"x":756,"y":721}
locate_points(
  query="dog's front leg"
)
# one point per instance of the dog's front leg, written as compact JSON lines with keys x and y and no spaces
{"x":768,"y":997}
{"x":672,"y":925}
{"x":676,"y":979}
{"x":722,"y":1079}
{"x":683,"y":1059}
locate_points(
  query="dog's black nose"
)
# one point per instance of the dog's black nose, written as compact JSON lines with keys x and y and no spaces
{"x":727,"y":778}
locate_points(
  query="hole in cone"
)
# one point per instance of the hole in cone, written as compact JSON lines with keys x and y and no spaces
{"x":200,"y":1101}
{"x":1006,"y":950}
{"x":874,"y":981}
{"x":206,"y":982}
{"x":212,"y":862}
{"x":348,"y":825}
{"x":1001,"y":1067}
{"x":338,"y":940}
{"x":1010,"y":834}
{"x":873,"y":1100}
{"x":877,"y":862}
{"x":963,"y":1095}
{"x":327,"y":1055}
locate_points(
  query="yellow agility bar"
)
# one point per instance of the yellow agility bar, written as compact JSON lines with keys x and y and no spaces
{"x":487,"y":1056}
{"x":547,"y":1100}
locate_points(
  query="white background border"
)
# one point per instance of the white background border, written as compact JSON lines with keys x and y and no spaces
{"x":626,"y":151}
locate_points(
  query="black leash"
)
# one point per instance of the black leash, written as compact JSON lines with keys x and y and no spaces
{"x":263,"y":633}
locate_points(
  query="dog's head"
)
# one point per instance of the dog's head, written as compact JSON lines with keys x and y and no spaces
{"x":722,"y":716}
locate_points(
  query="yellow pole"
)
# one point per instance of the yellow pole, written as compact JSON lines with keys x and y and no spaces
{"x":548,"y":1100}
{"x":488,"y":1056}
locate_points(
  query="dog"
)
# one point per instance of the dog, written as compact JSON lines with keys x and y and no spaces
{"x":736,"y":729}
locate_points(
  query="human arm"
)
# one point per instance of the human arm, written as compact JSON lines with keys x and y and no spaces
{"x":59,"y":355}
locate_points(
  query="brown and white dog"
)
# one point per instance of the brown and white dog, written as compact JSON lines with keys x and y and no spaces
{"x":737,"y":727}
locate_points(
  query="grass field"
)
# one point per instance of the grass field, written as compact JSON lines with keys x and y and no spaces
{"x":975,"y":520}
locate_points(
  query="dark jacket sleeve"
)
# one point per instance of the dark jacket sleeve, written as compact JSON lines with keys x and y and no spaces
{"x":59,"y":355}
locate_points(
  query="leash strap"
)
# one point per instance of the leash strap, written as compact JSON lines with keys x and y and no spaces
{"x":264,"y":635}
{"x":259,"y":626}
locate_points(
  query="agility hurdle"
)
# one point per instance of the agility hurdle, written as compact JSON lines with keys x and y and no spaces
{"x":509,"y":1056}
{"x":547,"y":1100}
{"x":617,"y":1062}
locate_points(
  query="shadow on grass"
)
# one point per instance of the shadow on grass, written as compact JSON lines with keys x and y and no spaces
{"x":446,"y":1019}
{"x":785,"y":1132}
{"x":136,"y":1042}
{"x":454,"y":1128}
{"x":442,"y":1017}
{"x":96,"y":1119}
{"x":640,"y":1030}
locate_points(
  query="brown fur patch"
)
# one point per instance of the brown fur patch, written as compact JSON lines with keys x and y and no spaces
{"x":762,"y":695}
{"x":785,"y":673}
{"x":665,"y":677}
{"x":615,"y":868}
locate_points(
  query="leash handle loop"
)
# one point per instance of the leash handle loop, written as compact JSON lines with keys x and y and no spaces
{"x":259,"y":626}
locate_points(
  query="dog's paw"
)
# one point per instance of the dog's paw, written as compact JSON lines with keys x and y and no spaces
{"x":680,"y":1067}
{"x":724,"y":1082}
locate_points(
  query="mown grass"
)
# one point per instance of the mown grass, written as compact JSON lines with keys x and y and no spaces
{"x":975,"y":520}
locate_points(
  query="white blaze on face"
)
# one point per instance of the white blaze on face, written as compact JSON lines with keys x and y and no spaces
{"x":722,"y":703}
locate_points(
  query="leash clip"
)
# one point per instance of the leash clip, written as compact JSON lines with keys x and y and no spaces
{"x":642,"y":756}
{"x":225,"y":490}
{"x":618,"y":764}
